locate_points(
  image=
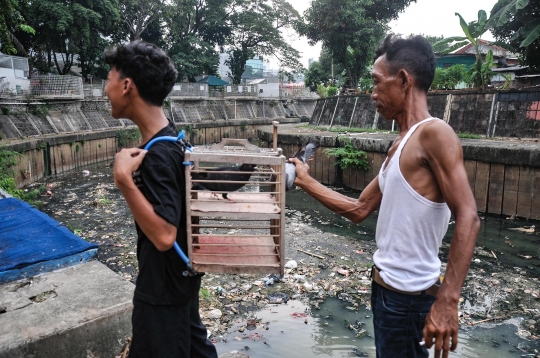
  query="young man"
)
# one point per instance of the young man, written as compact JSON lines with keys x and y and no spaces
{"x":421,"y":183}
{"x":166,"y":321}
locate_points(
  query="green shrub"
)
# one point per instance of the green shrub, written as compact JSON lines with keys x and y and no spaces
{"x":332,"y":91}
{"x":365,"y":85}
{"x":348,"y":156}
{"x":124,"y":138}
{"x":322,"y":91}
{"x":8,"y":160}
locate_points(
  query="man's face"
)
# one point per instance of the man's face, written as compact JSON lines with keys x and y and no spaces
{"x":387,"y":90}
{"x":115,"y":90}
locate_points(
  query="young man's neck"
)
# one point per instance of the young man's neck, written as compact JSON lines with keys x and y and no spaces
{"x":149,"y":118}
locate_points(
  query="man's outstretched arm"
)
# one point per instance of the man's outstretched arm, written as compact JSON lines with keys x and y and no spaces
{"x":445,"y":158}
{"x":355,"y":210}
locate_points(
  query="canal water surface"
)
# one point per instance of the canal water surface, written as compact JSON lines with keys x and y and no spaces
{"x":294,"y":329}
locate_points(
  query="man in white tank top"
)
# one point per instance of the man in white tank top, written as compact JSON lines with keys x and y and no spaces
{"x":421,"y":183}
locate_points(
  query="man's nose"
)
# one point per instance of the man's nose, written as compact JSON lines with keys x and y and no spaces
{"x":373,"y":96}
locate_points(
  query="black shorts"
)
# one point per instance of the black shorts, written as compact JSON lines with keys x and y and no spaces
{"x":170,"y":331}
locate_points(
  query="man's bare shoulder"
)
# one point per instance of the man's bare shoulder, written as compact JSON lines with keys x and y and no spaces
{"x":438,"y":132}
{"x":438,"y":139}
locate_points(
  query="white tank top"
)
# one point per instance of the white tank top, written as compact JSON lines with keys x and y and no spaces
{"x":410,"y":229}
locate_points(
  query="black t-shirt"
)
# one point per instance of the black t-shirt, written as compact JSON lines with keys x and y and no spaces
{"x":161,"y":179}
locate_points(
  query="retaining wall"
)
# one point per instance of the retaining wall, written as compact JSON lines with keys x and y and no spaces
{"x":513,"y":113}
{"x":36,"y":119}
{"x":504,"y":175}
{"x":57,"y":154}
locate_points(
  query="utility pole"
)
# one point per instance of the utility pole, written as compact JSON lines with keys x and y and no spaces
{"x":332,"y":69}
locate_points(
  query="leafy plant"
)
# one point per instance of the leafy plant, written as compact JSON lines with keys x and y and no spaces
{"x":348,"y":156}
{"x":124,"y":138}
{"x":507,"y":80}
{"x":449,"y":78}
{"x":8,"y":161}
{"x":480,"y":74}
{"x":322,"y":91}
{"x":332,"y":91}
{"x":243,"y":126}
{"x":365,"y":85}
{"x":40,"y":109}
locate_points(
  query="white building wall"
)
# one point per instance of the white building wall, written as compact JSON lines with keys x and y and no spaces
{"x":270,"y":90}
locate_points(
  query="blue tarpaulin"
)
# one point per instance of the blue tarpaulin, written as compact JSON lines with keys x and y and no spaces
{"x":31,"y":242}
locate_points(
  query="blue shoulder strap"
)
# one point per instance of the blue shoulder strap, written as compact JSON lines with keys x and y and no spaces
{"x":179,"y":138}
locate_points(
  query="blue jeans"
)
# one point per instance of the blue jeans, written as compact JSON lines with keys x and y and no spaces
{"x":398,"y":320}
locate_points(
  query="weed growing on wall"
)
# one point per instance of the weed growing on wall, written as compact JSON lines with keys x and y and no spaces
{"x":39,"y":109}
{"x":348,"y":156}
{"x":124,"y":138}
{"x":8,"y":161}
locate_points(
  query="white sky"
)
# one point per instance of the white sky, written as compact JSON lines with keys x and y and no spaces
{"x":428,"y":17}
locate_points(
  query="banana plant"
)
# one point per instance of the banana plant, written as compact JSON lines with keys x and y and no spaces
{"x":472,"y":31}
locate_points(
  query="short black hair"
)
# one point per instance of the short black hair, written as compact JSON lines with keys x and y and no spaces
{"x":415,"y":55}
{"x":147,"y":65}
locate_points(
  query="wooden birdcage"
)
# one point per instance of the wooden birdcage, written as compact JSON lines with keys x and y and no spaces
{"x":244,"y":232}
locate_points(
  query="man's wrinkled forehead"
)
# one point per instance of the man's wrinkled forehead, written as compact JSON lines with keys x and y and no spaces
{"x":379,"y":66}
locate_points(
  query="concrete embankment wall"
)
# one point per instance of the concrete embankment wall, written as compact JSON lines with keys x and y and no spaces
{"x":36,"y":119}
{"x":512,"y":113}
{"x":57,"y":154}
{"x":504,"y":175}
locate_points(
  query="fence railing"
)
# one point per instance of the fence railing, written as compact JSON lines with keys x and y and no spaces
{"x":54,"y":86}
{"x":72,"y":87}
{"x":94,"y":90}
{"x":189,"y":90}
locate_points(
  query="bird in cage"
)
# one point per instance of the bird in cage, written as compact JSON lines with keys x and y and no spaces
{"x":219,"y":180}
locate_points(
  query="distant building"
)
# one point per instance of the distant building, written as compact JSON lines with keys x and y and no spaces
{"x":14,"y":74}
{"x":310,"y":61}
{"x":466,"y":55}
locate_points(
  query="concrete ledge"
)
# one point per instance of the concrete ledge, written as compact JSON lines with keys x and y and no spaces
{"x":510,"y":152}
{"x":80,"y":311}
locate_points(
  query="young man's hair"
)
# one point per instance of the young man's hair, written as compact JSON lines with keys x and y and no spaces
{"x":415,"y":55}
{"x":147,"y":65}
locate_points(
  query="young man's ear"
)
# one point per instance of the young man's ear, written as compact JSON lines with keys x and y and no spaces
{"x":128,"y":84}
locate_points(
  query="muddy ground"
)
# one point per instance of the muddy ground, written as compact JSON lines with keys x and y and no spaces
{"x":92,"y":207}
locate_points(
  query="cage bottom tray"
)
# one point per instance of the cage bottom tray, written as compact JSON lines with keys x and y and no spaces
{"x":227,"y":254}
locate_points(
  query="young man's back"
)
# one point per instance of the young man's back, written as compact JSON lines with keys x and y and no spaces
{"x":166,"y":321}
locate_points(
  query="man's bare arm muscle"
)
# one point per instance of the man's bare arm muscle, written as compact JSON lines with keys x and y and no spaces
{"x":445,"y":158}
{"x":355,"y":210}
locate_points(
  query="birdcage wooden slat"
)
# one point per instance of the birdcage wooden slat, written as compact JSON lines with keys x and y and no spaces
{"x":241,"y":231}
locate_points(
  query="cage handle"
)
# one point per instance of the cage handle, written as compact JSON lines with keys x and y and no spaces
{"x":238,"y":142}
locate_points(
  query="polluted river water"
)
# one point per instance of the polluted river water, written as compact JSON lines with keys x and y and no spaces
{"x":88,"y":203}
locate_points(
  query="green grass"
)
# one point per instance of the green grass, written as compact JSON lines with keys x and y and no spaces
{"x":342,"y":129}
{"x":469,"y":136}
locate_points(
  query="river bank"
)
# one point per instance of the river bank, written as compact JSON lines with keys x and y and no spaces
{"x":331,"y":261}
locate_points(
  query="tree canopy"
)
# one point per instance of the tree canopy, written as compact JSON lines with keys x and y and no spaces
{"x":66,"y":32}
{"x":11,"y":21}
{"x":350,"y":30}
{"x":192,"y":32}
{"x":257,"y":29}
{"x":517,"y":23}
